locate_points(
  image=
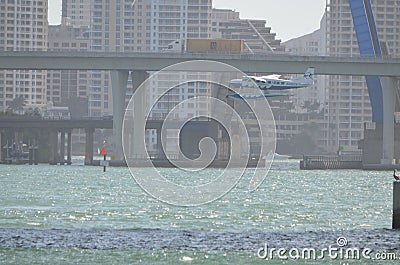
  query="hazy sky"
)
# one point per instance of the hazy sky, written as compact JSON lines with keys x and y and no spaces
{"x":288,"y":18}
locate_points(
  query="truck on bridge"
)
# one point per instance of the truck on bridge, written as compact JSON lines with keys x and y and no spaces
{"x":206,"y":46}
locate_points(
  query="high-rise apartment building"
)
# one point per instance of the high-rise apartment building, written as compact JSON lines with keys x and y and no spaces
{"x":76,"y":12}
{"x":23,"y":27}
{"x":349,"y":106}
{"x":226,"y":24}
{"x":141,"y":25}
{"x":182,"y":19}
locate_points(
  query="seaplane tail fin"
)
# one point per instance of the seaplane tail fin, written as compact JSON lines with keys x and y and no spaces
{"x":308,"y":78}
{"x":310,"y":73}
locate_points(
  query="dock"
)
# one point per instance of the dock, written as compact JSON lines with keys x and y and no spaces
{"x":322,"y":162}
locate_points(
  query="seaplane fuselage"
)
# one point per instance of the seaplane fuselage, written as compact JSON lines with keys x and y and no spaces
{"x":271,"y":83}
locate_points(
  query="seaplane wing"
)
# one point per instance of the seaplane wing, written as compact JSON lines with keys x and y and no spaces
{"x":272,"y":77}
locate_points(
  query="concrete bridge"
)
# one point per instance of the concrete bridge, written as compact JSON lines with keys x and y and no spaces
{"x":279,"y":64}
{"x":59,"y":129}
{"x":15,"y":122}
{"x":120,"y":64}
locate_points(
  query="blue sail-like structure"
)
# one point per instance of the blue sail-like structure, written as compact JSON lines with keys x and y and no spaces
{"x":369,"y":45}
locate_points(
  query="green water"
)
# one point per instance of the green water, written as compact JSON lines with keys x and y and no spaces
{"x":86,"y":198}
{"x":290,"y":200}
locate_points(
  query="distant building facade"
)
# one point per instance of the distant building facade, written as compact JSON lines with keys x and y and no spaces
{"x":313,"y":44}
{"x":76,"y":13}
{"x":23,"y":27}
{"x":62,"y":85}
{"x":347,"y":105}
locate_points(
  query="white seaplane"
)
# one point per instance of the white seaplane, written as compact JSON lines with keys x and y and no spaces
{"x":271,"y":83}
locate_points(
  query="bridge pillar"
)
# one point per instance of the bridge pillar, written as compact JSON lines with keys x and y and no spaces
{"x":89,"y":146}
{"x":139,"y":112}
{"x":128,"y":152}
{"x":119,"y":81}
{"x":389,"y":97}
{"x":396,"y":205}
{"x":53,"y":148}
{"x":160,"y":150}
{"x":17,"y":136}
{"x":69,"y":148}
{"x":62,"y":148}
{"x":1,"y":146}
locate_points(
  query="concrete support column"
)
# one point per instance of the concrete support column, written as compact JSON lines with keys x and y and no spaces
{"x":128,"y":138}
{"x":69,"y":148}
{"x":130,"y":149}
{"x":396,"y":205}
{"x":1,"y":147}
{"x":236,"y":147}
{"x":139,"y":112}
{"x":160,"y":150}
{"x":89,"y":146}
{"x":53,"y":148}
{"x":17,"y":136}
{"x":119,"y":81}
{"x":389,"y":97}
{"x":62,"y":148}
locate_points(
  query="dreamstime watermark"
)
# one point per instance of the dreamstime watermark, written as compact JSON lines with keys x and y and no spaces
{"x":196,"y":92}
{"x":340,"y":251}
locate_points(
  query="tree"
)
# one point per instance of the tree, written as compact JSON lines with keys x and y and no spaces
{"x":36,"y":112}
{"x":33,"y":112}
{"x":17,"y":104}
{"x":311,"y":106}
{"x":78,"y":107}
{"x":304,"y":143}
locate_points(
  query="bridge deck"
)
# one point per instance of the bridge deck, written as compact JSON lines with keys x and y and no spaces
{"x":156,"y":61}
{"x":25,"y":122}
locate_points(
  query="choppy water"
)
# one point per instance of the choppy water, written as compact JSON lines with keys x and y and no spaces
{"x":76,"y":214}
